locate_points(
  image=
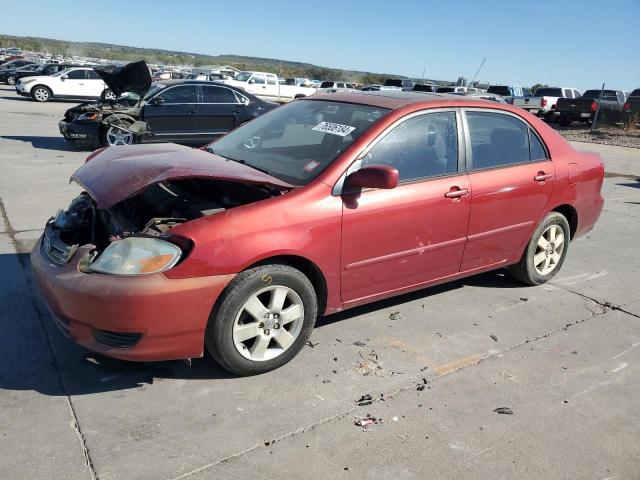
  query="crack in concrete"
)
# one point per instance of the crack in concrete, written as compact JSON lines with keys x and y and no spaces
{"x":41,"y":316}
{"x":409,"y":387}
{"x":605,"y":305}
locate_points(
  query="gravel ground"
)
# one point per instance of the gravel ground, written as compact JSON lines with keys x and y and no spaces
{"x":607,"y":136}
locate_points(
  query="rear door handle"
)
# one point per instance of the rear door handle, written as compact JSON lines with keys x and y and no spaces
{"x":191,"y":112}
{"x":541,"y":177}
{"x":456,"y":192}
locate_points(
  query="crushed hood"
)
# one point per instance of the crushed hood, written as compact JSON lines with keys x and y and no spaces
{"x":132,"y":77}
{"x":117,"y":173}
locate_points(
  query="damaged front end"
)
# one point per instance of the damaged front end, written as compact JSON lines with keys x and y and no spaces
{"x":133,"y":236}
{"x":87,"y":123}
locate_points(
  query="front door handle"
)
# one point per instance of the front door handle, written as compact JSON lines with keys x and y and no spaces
{"x":456,"y":192}
{"x":541,"y":177}
{"x":191,"y":112}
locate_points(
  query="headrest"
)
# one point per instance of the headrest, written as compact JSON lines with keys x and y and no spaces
{"x":510,"y":138}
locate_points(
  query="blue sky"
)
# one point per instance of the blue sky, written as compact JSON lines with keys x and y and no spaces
{"x":561,"y":42}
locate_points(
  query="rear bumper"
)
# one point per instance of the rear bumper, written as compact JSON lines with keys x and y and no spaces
{"x":574,"y":115}
{"x":147,"y":318}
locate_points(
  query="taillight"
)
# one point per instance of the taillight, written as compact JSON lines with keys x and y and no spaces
{"x":594,"y":106}
{"x":543,"y":102}
{"x":626,"y":107}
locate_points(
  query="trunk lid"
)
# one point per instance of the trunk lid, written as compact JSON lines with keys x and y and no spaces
{"x":117,"y":173}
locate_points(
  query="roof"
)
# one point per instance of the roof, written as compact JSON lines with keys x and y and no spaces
{"x":394,"y":99}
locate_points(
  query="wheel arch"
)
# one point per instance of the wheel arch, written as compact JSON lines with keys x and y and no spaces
{"x":308,"y":268}
{"x":43,"y":86}
{"x":571,"y":214}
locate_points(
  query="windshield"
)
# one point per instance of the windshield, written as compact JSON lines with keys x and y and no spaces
{"x":243,"y":76}
{"x":500,"y":90}
{"x":326,"y":85}
{"x":595,"y":94}
{"x":296,"y":142}
{"x":390,"y":82}
{"x":548,"y":92}
{"x":61,"y":72}
{"x":155,"y":88}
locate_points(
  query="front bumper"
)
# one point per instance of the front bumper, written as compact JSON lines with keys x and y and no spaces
{"x":163,"y":318}
{"x":85,"y":133}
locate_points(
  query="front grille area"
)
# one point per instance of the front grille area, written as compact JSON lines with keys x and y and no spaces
{"x":116,"y":339}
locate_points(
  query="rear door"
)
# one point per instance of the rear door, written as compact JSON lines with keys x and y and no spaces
{"x":511,"y":179}
{"x":272,"y":90}
{"x":218,"y":111}
{"x":94,"y":85}
{"x":415,"y":233}
{"x":172,"y":114}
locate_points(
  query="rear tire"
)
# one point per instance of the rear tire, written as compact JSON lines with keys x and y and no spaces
{"x":245,"y":343}
{"x":545,"y":252}
{"x":563,"y":121}
{"x":41,"y":94}
{"x":11,"y":80}
{"x":108,"y":95}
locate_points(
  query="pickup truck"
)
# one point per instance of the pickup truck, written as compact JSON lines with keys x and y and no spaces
{"x":509,"y":92}
{"x":631,"y":108}
{"x":543,"y":102}
{"x":611,"y":104}
{"x":267,"y":87}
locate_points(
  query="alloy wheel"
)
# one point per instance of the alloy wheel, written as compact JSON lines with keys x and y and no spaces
{"x":11,"y":80}
{"x":109,"y":95}
{"x":268,"y":323}
{"x":116,"y":136}
{"x":549,"y":250}
{"x":41,"y":94}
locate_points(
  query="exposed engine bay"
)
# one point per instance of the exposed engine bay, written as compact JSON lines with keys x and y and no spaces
{"x":152,"y":212}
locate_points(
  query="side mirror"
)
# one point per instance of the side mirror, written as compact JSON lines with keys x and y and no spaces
{"x":64,"y":77}
{"x":157,"y":101}
{"x":244,"y":100}
{"x":374,"y":176}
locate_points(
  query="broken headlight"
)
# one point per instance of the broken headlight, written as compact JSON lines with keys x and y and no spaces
{"x":137,"y":256}
{"x":88,"y":116}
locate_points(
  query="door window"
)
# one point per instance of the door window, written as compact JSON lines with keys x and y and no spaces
{"x":92,"y":75}
{"x":211,"y":94}
{"x":420,"y":147}
{"x":271,"y":79}
{"x":180,"y":94}
{"x":501,"y":140}
{"x":568,"y":93}
{"x":258,"y":78}
{"x":76,"y":75}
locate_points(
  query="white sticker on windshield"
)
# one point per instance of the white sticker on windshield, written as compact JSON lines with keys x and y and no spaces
{"x":334,"y":128}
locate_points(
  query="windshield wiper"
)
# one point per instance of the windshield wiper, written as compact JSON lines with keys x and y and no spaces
{"x":243,"y":162}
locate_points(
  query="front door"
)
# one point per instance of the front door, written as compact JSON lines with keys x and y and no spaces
{"x":415,"y":233}
{"x":72,"y":84}
{"x":218,"y":111}
{"x":511,"y":182}
{"x":172,"y":115}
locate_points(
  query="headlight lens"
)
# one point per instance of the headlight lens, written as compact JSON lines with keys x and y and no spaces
{"x":88,"y":116}
{"x":29,"y":80}
{"x":137,"y":256}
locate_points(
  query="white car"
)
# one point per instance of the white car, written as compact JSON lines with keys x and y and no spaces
{"x":79,"y":83}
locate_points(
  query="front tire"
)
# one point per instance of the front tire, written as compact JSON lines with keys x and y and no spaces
{"x":546,"y":251}
{"x":113,"y":136}
{"x":262,"y":320}
{"x":41,"y":94}
{"x":108,"y":95}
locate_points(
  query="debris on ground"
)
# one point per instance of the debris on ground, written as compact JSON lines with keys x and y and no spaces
{"x":335,"y":359}
{"x":326,"y":381}
{"x":338,"y":340}
{"x":366,"y":422}
{"x":423,"y":369}
{"x":365,"y":399}
{"x":504,"y":411}
{"x":524,"y":299}
{"x":370,"y":364}
{"x":494,"y":338}
{"x":311,"y":344}
{"x":575,"y":352}
{"x":420,"y":388}
{"x":359,"y":344}
{"x":395,"y":316}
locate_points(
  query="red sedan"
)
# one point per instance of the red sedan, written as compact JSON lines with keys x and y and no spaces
{"x":320,"y":205}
